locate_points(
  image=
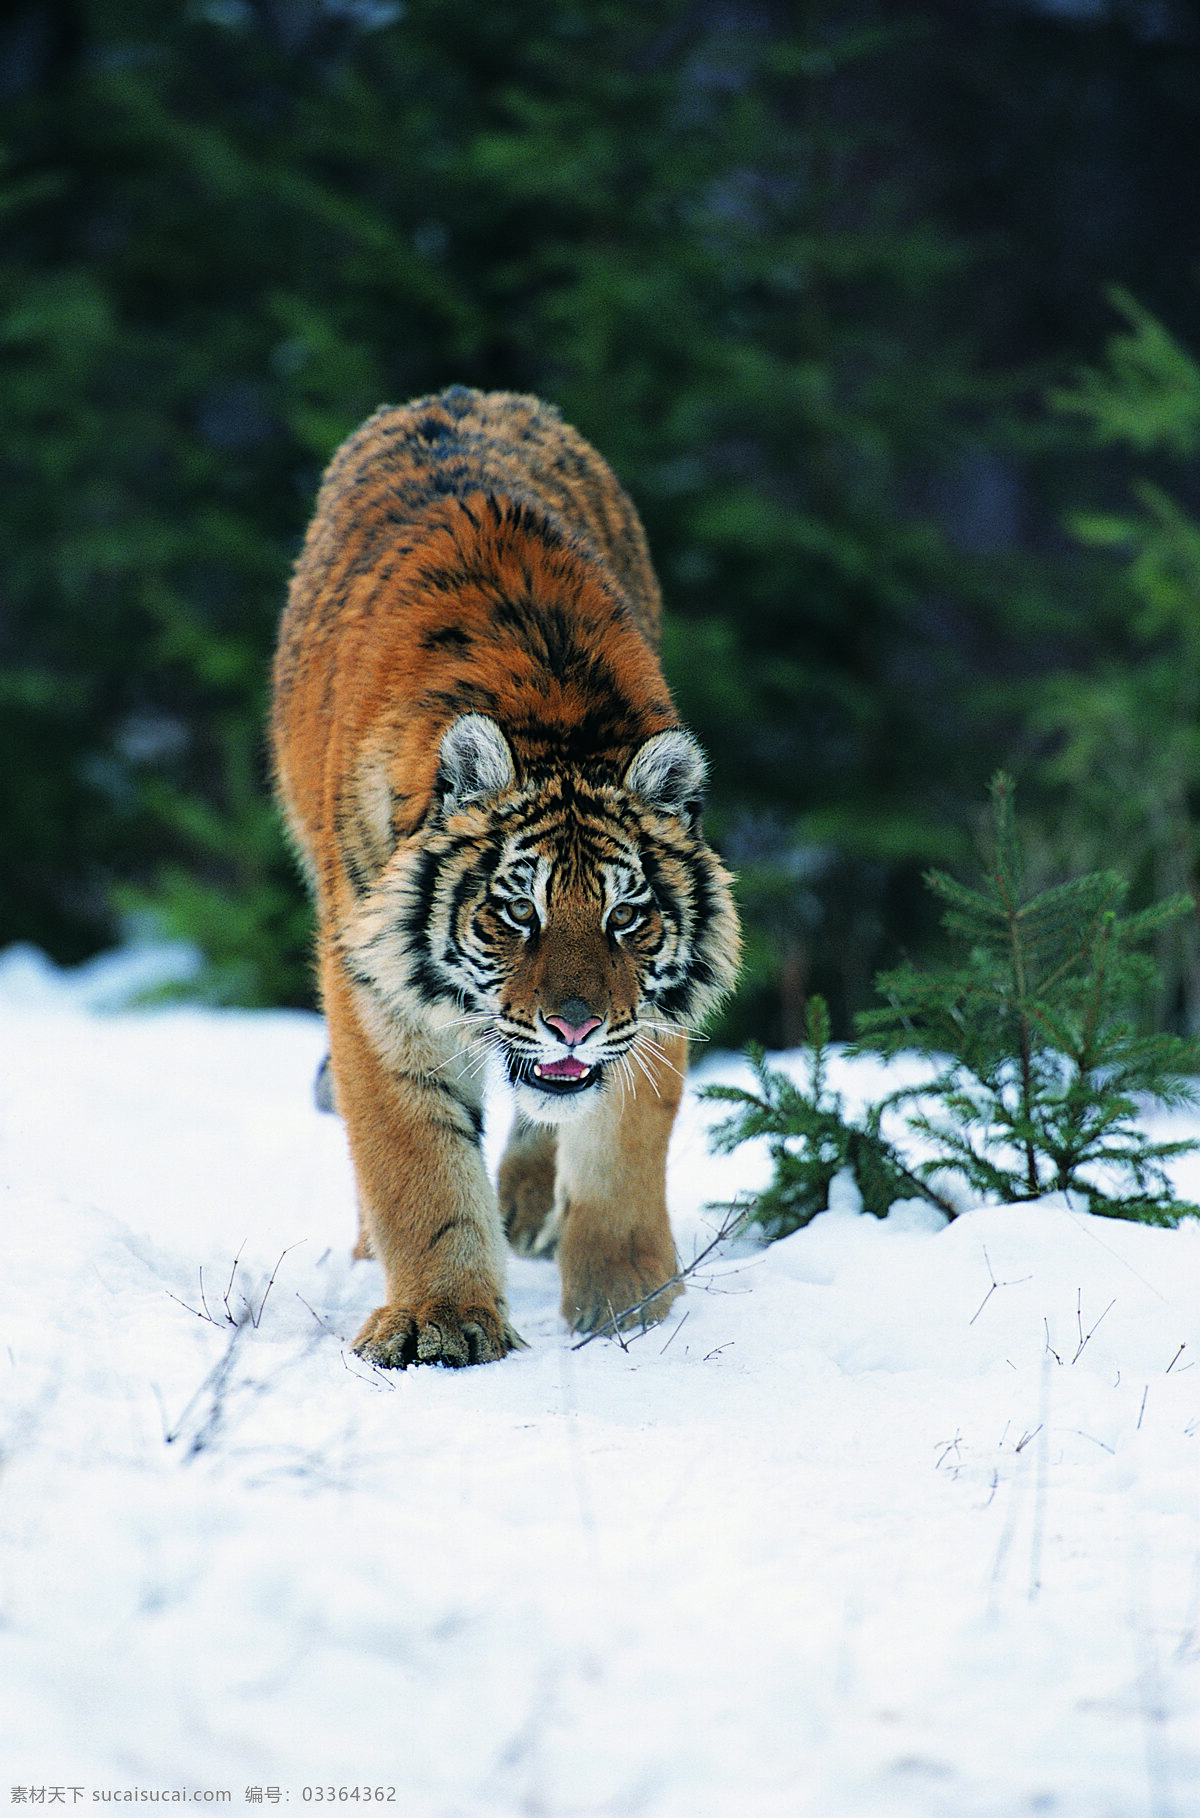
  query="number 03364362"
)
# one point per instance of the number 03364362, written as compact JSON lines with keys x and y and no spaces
{"x":342,"y":1795}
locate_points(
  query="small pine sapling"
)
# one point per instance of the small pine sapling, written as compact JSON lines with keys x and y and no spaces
{"x":1039,"y":1075}
{"x":1043,"y":1074}
{"x":811,"y":1140}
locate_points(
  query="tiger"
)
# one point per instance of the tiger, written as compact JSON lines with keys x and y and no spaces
{"x":497,"y":811}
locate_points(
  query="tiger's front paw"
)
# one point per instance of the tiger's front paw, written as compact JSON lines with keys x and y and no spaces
{"x":394,"y":1337}
{"x":618,"y":1292}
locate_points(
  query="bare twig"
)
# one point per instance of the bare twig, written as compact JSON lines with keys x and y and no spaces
{"x":205,"y":1427}
{"x":194,"y":1311}
{"x":676,"y":1330}
{"x":323,"y":1323}
{"x":615,"y":1318}
{"x":255,"y":1317}
{"x":379,"y":1377}
{"x":229,"y":1290}
{"x":948,"y":1446}
{"x":231,"y":1318}
{"x":1016,"y":1283}
{"x":613,"y":1327}
{"x":1079,"y":1432}
{"x":1079,"y":1316}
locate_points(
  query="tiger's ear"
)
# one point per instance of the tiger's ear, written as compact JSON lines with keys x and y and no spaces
{"x":474,"y":762}
{"x":668,"y":772}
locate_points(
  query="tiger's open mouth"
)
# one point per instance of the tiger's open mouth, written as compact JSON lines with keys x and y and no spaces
{"x":559,"y":1077}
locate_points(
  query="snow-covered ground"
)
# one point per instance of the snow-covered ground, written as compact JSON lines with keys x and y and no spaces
{"x":889,"y":1520}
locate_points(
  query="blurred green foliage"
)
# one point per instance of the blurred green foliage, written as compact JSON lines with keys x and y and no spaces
{"x":721,"y":239}
{"x":1123,"y":736}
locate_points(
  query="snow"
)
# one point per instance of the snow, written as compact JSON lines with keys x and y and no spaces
{"x":891,"y":1519}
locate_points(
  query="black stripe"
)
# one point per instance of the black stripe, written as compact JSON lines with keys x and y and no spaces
{"x":358,"y":879}
{"x":465,"y":697}
{"x":472,"y":1113}
{"x":450,"y":1225}
{"x":449,"y":637}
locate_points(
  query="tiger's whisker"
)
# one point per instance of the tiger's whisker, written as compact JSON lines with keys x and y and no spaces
{"x":659,"y":1054}
{"x":472,"y":1056}
{"x":471,"y":1016}
{"x":691,"y":1035}
{"x":643,"y":1066}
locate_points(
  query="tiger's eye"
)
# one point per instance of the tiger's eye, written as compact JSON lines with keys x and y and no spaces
{"x":622,"y":915}
{"x":523,"y":910}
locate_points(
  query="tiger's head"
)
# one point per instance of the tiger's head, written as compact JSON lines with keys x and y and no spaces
{"x":561,"y":919}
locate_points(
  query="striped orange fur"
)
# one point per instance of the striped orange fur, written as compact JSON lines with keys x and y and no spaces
{"x":497,"y":810}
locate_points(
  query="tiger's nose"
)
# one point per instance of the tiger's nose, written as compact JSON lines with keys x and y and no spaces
{"x":574,"y":1021}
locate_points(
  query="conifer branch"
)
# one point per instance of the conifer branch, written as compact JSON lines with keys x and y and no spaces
{"x":1039,"y":1071}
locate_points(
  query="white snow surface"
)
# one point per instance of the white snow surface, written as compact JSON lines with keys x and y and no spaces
{"x":891,"y":1519}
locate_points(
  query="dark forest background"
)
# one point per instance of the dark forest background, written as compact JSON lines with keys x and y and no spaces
{"x":888,"y":315}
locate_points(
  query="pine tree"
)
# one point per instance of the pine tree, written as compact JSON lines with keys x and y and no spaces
{"x":1040,"y":1073}
{"x":1046,"y":1070}
{"x":1123,"y":733}
{"x":811,"y":1140}
{"x":236,"y":229}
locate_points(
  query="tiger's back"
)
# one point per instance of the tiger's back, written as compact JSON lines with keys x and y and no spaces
{"x":433,"y":522}
{"x":497,"y":810}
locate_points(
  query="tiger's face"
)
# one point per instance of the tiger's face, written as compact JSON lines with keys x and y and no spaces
{"x":562,"y":924}
{"x":576,"y":958}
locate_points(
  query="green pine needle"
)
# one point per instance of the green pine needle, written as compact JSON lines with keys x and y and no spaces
{"x":1041,"y":1077}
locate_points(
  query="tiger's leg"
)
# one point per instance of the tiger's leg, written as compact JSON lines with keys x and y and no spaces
{"x":615,"y":1247}
{"x":525,"y":1187}
{"x":427,"y":1208}
{"x":325,"y":1100}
